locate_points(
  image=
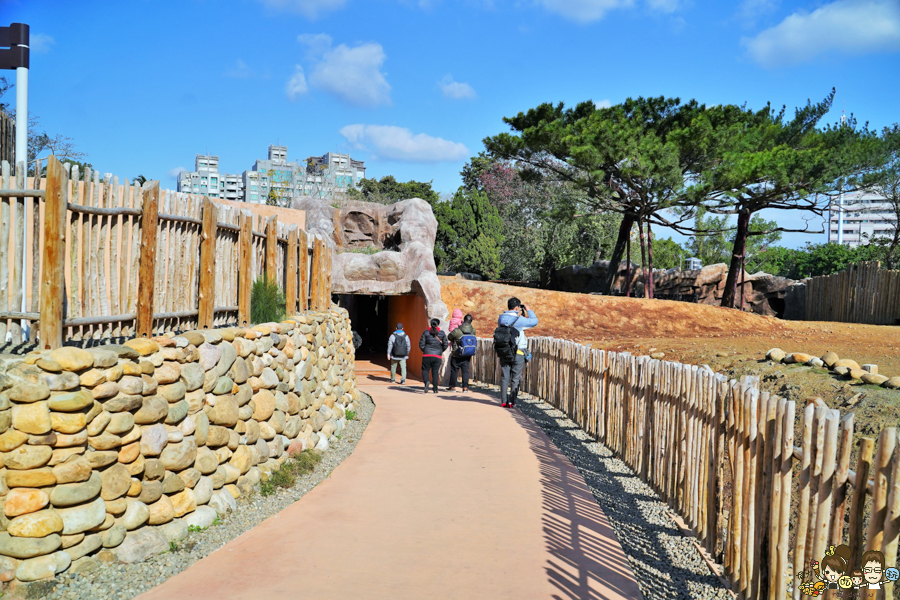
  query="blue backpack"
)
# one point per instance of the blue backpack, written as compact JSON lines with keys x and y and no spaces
{"x":467,"y":345}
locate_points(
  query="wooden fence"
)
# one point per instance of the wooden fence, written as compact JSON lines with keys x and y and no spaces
{"x":722,"y":454}
{"x":864,"y":293}
{"x":7,"y":137}
{"x":111,"y":259}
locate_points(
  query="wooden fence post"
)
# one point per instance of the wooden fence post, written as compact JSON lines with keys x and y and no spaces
{"x":315,"y":275}
{"x":329,"y":258}
{"x":147,"y":275}
{"x":271,"y":245}
{"x":53,"y":281}
{"x":208,"y":235}
{"x":303,"y":260}
{"x":290,"y":283}
{"x":245,"y":240}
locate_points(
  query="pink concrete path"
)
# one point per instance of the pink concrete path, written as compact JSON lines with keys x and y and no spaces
{"x":446,"y":496}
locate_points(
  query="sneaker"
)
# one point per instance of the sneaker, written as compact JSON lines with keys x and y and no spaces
{"x":465,"y":390}
{"x":402,"y":381}
{"x":451,"y":389}
{"x":504,"y":405}
{"x":512,"y":404}
{"x":392,"y":381}
{"x":426,"y":390}
{"x":435,"y":390}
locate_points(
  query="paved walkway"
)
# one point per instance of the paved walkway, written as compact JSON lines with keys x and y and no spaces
{"x":446,"y":496}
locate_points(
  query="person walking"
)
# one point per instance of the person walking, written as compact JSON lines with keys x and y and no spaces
{"x":512,"y":348}
{"x":398,"y":353}
{"x":456,"y":319}
{"x":432,"y":344}
{"x":464,"y":345}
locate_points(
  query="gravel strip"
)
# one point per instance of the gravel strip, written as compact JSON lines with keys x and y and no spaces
{"x":123,"y":581}
{"x":666,"y":563}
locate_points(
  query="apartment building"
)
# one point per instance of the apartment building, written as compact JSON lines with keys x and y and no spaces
{"x":323,"y":176}
{"x":206,"y":180}
{"x":857,"y":217}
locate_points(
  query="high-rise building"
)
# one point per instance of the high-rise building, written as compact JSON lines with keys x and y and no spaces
{"x":857,"y":217}
{"x":206,"y":180}
{"x":325,"y":176}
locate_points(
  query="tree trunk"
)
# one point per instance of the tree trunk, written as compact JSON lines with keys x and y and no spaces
{"x":643,"y":257}
{"x":628,"y":267}
{"x":621,"y":241}
{"x":650,"y":256}
{"x":737,"y":255}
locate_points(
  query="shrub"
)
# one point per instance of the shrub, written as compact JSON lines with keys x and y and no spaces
{"x":351,"y":415}
{"x":267,"y":301}
{"x":286,"y":475}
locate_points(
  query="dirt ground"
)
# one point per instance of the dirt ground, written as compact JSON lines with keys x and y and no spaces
{"x":729,"y":341}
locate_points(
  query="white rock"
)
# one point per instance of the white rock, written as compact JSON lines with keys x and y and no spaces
{"x":175,"y":531}
{"x":322,"y":446}
{"x":223,"y":502}
{"x":203,"y":517}
{"x":203,"y":490}
{"x":142,"y":544}
{"x":136,"y":514}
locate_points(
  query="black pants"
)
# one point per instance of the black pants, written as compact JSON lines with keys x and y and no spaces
{"x":432,"y":365}
{"x":460,"y":364}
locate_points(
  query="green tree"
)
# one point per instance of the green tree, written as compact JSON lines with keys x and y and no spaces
{"x":669,"y":254}
{"x":885,"y":183}
{"x":632,"y":159}
{"x":388,"y":190}
{"x":469,"y":235}
{"x":768,"y":161}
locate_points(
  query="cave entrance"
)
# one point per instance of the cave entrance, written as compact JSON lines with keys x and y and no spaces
{"x":373,"y":318}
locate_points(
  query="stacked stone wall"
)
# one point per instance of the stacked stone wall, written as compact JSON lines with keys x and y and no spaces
{"x":118,"y":449}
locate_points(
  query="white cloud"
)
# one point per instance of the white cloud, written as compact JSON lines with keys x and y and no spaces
{"x":174,"y":172}
{"x":850,"y":26}
{"x":666,"y":6}
{"x":311,"y":9}
{"x":753,"y":8}
{"x":584,"y":11}
{"x":352,"y":74}
{"x":399,"y":143}
{"x":40,"y":43}
{"x":316,"y":44}
{"x":456,"y":89}
{"x":605,"y":103}
{"x":296,"y":85}
{"x":240,"y":70}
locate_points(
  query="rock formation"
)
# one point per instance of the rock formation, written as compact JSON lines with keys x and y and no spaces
{"x":380,"y":249}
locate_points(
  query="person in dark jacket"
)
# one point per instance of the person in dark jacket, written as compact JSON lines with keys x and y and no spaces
{"x":398,"y":353}
{"x":460,"y":364}
{"x":432,"y":344}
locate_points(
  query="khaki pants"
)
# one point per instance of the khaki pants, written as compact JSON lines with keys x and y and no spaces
{"x":402,"y":363}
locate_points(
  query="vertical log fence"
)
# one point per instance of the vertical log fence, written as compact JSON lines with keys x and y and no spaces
{"x":84,"y":257}
{"x":864,"y":293}
{"x":722,"y":454}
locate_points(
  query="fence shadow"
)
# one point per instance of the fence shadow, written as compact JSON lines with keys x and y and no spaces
{"x":578,"y":533}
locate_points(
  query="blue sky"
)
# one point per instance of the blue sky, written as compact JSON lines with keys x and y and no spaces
{"x":412,"y":87}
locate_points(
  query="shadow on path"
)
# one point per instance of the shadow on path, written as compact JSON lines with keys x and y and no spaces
{"x":665,"y":563}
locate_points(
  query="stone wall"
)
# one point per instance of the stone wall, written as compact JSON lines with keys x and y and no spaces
{"x":120,"y":448}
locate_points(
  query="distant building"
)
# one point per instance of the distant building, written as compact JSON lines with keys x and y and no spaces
{"x":858,"y":217}
{"x":206,"y":180}
{"x":693,"y":264}
{"x":323,"y":176}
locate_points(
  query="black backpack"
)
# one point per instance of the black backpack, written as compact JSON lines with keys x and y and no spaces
{"x":506,"y":342}
{"x":401,"y":345}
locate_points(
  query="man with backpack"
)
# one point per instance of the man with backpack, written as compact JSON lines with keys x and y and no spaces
{"x":432,"y":344}
{"x":512,"y":348}
{"x":464,"y":345}
{"x":398,"y":353}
